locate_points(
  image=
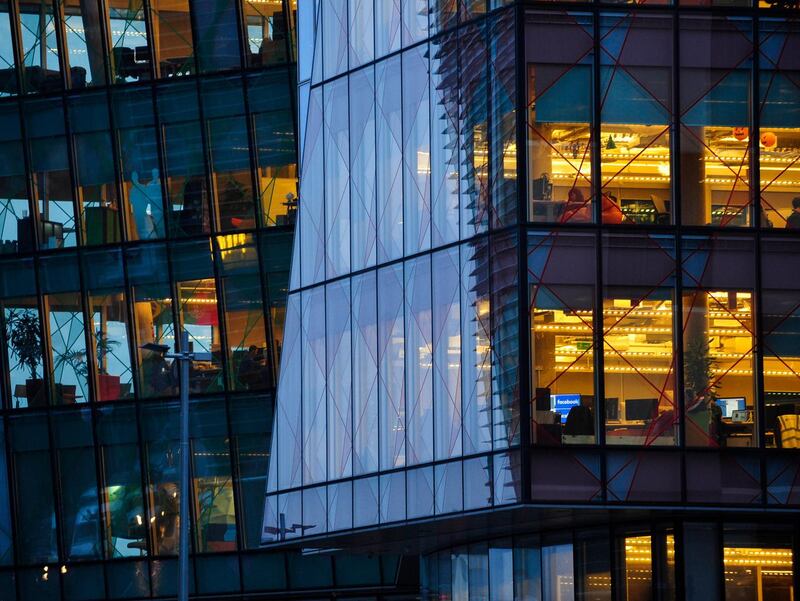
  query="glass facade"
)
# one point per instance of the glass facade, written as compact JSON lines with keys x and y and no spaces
{"x":651,"y":561}
{"x":148,"y":186}
{"x":557,"y":242}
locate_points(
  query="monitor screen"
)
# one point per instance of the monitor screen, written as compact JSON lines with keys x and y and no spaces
{"x":640,"y":409}
{"x":563,"y":403}
{"x":730,"y":405}
{"x":612,"y":409}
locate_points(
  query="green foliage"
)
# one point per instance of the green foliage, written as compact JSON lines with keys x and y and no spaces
{"x":25,"y":339}
{"x":103,"y":346}
{"x":698,"y":371}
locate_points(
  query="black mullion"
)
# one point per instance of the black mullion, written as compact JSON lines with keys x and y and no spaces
{"x":759,"y":434}
{"x":152,"y":42}
{"x":679,"y":401}
{"x":255,"y":179}
{"x":77,"y":192}
{"x":212,"y":202}
{"x":159,"y":127}
{"x":13,"y":501}
{"x":523,"y":330}
{"x":122,"y":202}
{"x":61,"y":44}
{"x":104,"y":27}
{"x":597,"y":190}
{"x":16,"y":44}
{"x":92,"y":383}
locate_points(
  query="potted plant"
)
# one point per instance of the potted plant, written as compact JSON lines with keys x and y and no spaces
{"x":700,"y":390}
{"x":65,"y":393}
{"x":108,"y":386}
{"x":25,"y":342}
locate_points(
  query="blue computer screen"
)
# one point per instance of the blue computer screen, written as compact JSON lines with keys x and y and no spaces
{"x":563,"y":403}
{"x":728,"y":406}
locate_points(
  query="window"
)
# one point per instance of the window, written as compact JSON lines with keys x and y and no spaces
{"x":130,"y":50}
{"x":95,"y":170}
{"x":192,"y":268}
{"x":718,"y":342}
{"x":109,"y":337}
{"x":561,"y":282}
{"x":716,"y":56}
{"x":154,"y":321}
{"x":780,"y":319}
{"x":121,"y":490}
{"x":269,"y":96}
{"x":41,"y":60}
{"x":638,"y":347}
{"x":185,"y":160}
{"x":758,"y":564}
{"x":16,"y":227}
{"x":267,"y":31}
{"x":636,"y":118}
{"x":559,"y":77}
{"x":229,"y":146}
{"x":64,"y":323}
{"x":52,"y":183}
{"x":173,"y":49}
{"x":248,"y":355}
{"x":22,"y":334}
{"x":779,"y":136}
{"x":84,"y":42}
{"x":8,"y":76}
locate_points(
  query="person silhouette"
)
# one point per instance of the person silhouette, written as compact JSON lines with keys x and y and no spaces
{"x":147,"y":206}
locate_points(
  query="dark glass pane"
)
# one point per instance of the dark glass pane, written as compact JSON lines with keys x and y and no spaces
{"x":16,"y":227}
{"x":84,"y":42}
{"x":8,"y":76}
{"x":172,"y":33}
{"x":131,"y":54}
{"x":49,"y":164}
{"x":40,"y":53}
{"x":138,"y":154}
{"x":216,"y":28}
{"x":226,"y":129}
{"x":276,"y":157}
{"x":80,"y":513}
{"x":95,"y":171}
{"x":267,"y":33}
{"x":36,"y":523}
{"x":121,"y":489}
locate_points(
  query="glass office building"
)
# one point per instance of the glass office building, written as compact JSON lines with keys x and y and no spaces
{"x":148,"y":186}
{"x":544,"y":316}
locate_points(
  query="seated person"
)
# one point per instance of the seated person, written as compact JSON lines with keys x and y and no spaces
{"x":793,"y":220}
{"x":252,"y":369}
{"x":577,"y":208}
{"x":580,"y":420}
{"x":611,"y":211}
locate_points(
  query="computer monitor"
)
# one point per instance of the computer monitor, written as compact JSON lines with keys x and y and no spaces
{"x":563,"y":403}
{"x":729,"y":405}
{"x":612,"y":409}
{"x":640,"y":409}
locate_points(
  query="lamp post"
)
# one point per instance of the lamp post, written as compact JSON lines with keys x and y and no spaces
{"x":184,"y":358}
